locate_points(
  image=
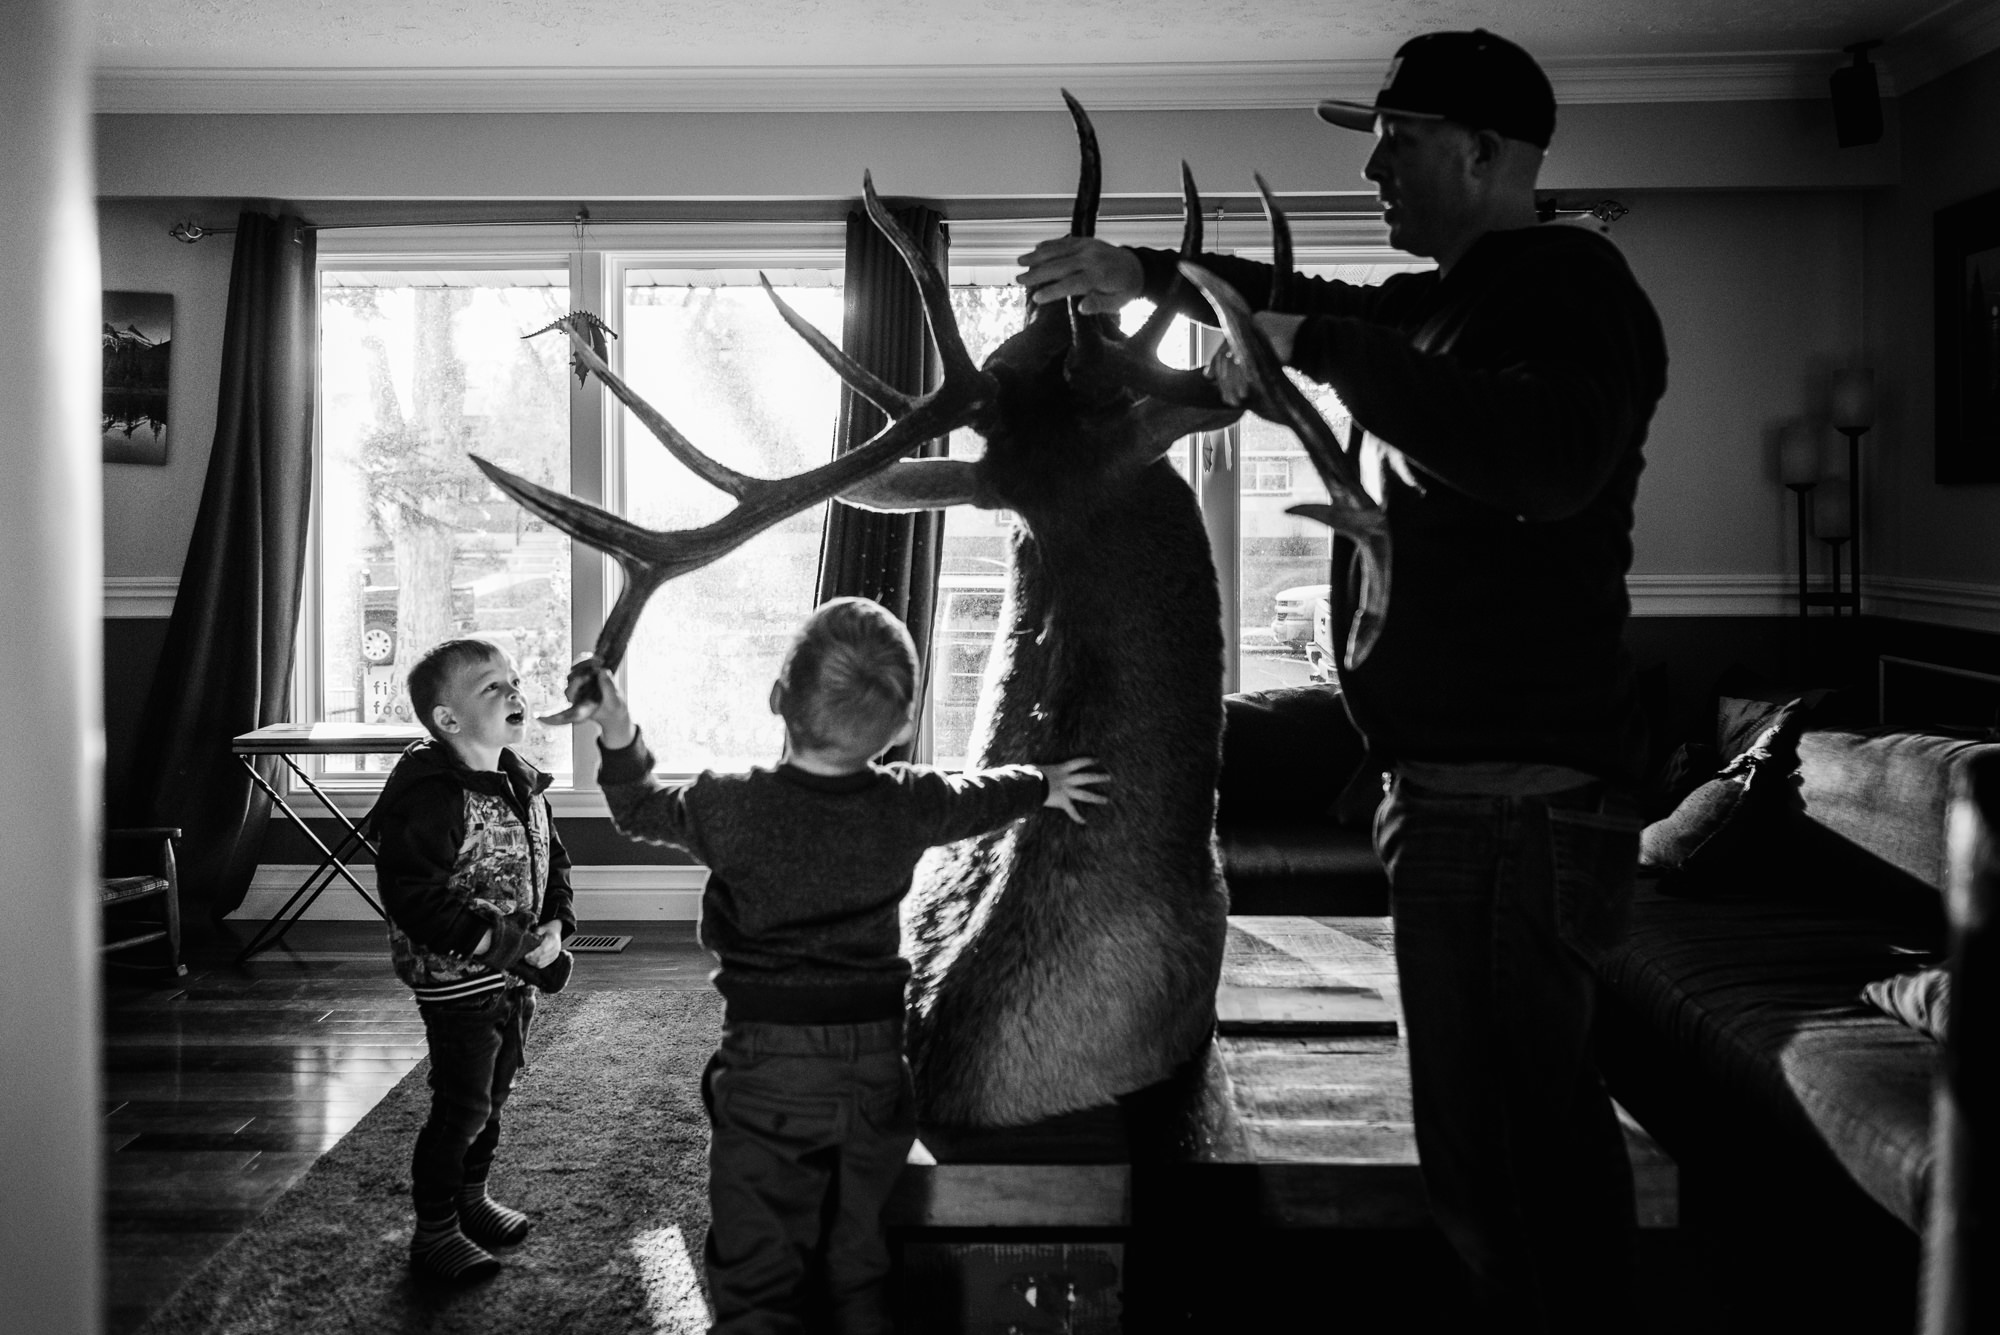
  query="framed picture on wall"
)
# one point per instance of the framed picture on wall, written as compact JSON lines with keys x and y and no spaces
{"x":1968,"y":340}
{"x":138,"y":344}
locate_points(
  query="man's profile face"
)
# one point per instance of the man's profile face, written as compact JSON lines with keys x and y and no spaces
{"x":1419,"y":170}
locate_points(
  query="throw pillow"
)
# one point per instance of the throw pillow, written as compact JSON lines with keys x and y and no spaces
{"x":1690,"y":766}
{"x":1741,"y":722}
{"x":1921,"y":1000}
{"x":1706,"y":816}
{"x":1708,"y":839}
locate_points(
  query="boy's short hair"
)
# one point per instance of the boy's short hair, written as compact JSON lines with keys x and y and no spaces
{"x":849,"y":678}
{"x":431,"y":676}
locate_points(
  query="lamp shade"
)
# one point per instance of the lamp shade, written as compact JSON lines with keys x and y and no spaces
{"x":1833,"y":518}
{"x":1854,"y":400}
{"x":1798,"y":455}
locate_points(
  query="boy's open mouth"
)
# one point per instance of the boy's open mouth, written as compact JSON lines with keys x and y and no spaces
{"x":517,"y":717}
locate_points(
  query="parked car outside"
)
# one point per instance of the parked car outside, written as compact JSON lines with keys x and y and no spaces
{"x":1319,"y":649}
{"x":1292,"y":624}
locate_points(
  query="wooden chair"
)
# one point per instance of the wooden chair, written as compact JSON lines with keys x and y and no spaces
{"x":148,"y":880}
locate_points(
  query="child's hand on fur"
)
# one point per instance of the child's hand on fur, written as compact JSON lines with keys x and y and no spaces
{"x":1071,"y":782}
{"x":612,"y":716}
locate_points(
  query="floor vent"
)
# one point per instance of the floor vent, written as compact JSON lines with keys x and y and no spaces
{"x":609,"y":945}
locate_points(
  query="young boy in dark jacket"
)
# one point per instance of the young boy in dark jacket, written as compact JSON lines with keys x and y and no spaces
{"x":809,"y":1098}
{"x":476,"y":885}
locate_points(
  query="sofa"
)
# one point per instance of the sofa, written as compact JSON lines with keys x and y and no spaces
{"x":1769,"y":1015}
{"x":1294,"y":808}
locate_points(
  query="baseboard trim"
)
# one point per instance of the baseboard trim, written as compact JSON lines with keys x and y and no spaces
{"x":658,"y":893}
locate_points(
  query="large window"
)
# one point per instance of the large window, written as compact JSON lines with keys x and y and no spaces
{"x":424,"y":361}
{"x":1284,"y":560}
{"x":708,"y":350}
{"x":419,"y":369}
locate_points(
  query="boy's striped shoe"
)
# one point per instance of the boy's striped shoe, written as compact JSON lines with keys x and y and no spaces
{"x":488,"y":1222}
{"x":444,"y":1252}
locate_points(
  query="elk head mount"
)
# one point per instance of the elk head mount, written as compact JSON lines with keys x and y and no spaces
{"x":1057,"y":966}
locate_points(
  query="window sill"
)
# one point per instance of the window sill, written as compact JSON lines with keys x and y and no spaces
{"x":355,"y":800}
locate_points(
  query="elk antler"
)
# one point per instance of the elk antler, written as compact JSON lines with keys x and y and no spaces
{"x":1349,"y":510}
{"x":1103,"y":363}
{"x":649,"y":559}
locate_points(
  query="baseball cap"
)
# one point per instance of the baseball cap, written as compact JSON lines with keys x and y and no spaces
{"x":1475,"y":78}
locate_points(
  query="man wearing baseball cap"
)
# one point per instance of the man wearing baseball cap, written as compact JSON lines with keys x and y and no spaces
{"x":1505,"y":398}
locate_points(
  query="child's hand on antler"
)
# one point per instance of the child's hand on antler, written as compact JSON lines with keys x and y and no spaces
{"x":588,"y":680}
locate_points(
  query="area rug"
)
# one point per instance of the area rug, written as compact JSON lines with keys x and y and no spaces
{"x":605,"y":1147}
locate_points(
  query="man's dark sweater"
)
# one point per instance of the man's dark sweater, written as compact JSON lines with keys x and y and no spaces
{"x":806,"y":871}
{"x":1519,"y":387}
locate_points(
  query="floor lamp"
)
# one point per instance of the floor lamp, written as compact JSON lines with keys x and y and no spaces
{"x":1798,"y":469}
{"x":1853,"y":415}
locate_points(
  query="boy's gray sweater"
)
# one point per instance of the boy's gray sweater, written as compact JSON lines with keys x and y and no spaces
{"x":806,"y":871}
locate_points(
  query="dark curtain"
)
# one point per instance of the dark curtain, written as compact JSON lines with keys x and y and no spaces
{"x":227,"y":660}
{"x":893,"y":559}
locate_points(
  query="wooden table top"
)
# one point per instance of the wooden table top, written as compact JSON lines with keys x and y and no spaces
{"x":1302,"y":1114}
{"x":327,"y":739}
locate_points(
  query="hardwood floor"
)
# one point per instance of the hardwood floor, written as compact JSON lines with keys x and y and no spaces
{"x":222,"y":1088}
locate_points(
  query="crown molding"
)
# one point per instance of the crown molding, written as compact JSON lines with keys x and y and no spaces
{"x":1935,"y":46}
{"x":140,"y":596}
{"x":1103,"y":87}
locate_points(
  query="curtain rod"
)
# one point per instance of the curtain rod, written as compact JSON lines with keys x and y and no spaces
{"x":1547,"y":207}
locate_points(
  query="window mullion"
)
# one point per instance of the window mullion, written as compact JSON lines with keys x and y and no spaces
{"x":594,"y":469}
{"x":1217,"y":468}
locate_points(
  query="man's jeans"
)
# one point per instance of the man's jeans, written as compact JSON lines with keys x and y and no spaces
{"x":1500,"y":904}
{"x":476,"y":1045}
{"x":811,"y":1127}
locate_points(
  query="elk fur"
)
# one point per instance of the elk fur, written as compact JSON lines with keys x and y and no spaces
{"x":1058,"y":966}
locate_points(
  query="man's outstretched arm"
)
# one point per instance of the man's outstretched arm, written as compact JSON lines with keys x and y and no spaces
{"x":1105,"y":278}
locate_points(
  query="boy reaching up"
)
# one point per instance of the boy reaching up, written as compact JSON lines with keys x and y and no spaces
{"x":809,"y":1099}
{"x":476,"y":885}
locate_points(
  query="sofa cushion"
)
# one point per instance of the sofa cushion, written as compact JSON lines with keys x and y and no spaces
{"x":1313,"y":868}
{"x":1885,"y":791}
{"x":1299,"y":850}
{"x":1765,"y":996}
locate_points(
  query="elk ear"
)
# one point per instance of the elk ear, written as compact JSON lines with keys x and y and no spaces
{"x":1162,"y":423}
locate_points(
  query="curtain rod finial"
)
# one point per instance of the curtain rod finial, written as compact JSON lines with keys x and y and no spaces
{"x":187,"y":232}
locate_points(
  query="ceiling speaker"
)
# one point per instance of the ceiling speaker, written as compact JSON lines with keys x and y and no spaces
{"x":1857,"y":100}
